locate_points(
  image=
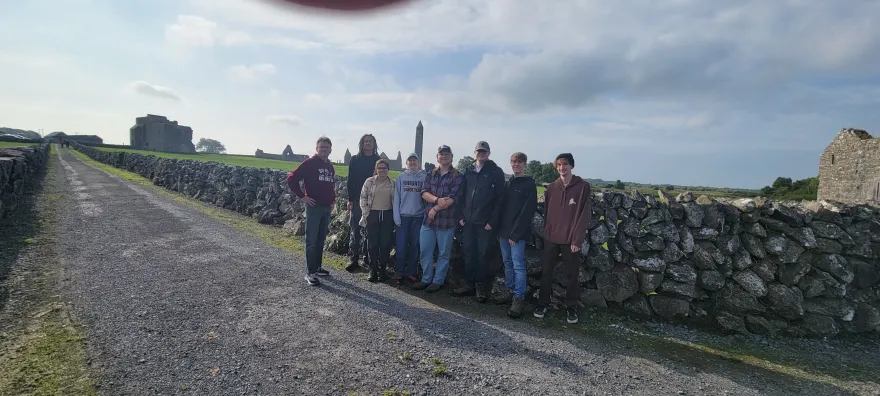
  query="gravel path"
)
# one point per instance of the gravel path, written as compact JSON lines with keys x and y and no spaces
{"x":178,"y":303}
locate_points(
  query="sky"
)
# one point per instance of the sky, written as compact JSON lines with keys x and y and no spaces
{"x":687,"y":92}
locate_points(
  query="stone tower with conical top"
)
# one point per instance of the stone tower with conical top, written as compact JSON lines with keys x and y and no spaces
{"x":420,"y":140}
{"x":347,"y":159}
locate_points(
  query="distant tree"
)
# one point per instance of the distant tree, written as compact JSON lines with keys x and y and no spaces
{"x":619,"y":185}
{"x":429,"y":167}
{"x":464,"y":162}
{"x":609,"y":185}
{"x":548,"y":173}
{"x":782,"y":182}
{"x":670,"y":187}
{"x":210,"y":146}
{"x":534,"y":169}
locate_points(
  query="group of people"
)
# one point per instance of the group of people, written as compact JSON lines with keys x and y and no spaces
{"x":425,"y":208}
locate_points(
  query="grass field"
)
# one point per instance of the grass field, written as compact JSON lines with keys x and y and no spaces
{"x":15,"y":144}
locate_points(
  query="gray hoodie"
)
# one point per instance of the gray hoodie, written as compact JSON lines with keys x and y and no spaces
{"x":408,"y":195}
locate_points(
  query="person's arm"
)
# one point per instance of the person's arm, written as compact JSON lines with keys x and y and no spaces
{"x":522,"y":227}
{"x":296,"y":176}
{"x":364,"y":201}
{"x":426,"y":189}
{"x":500,"y":190}
{"x":395,"y":203}
{"x":583,"y":221}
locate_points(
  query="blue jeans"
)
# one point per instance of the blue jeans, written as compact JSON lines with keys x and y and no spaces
{"x":407,"y":246}
{"x":514,"y":258}
{"x":317,"y":227}
{"x":428,"y":239}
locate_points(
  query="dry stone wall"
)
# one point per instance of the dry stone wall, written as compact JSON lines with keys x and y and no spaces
{"x":20,"y":169}
{"x":749,"y":265}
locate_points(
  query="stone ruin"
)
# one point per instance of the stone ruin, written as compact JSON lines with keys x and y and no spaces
{"x":799,"y":269}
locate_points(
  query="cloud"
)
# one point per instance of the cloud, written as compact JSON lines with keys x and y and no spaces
{"x":289,"y":120}
{"x":253,"y":72}
{"x":157,"y":91}
{"x":197,"y":31}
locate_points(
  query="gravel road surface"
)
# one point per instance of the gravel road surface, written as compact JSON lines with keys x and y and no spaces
{"x":176,"y":302}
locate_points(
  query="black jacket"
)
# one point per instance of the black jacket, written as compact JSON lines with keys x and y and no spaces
{"x":360,"y":168}
{"x":520,"y":204}
{"x":484,"y":193}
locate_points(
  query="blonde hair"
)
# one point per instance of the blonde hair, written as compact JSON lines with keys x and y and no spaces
{"x":381,"y":161}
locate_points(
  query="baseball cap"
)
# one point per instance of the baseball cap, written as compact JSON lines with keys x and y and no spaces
{"x":412,"y":155}
{"x":481,"y":145}
{"x":444,"y":148}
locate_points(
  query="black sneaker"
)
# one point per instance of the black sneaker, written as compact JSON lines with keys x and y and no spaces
{"x":322,"y":272}
{"x":353,"y":267}
{"x":312,"y":280}
{"x":571,"y":316}
{"x":540,"y":311}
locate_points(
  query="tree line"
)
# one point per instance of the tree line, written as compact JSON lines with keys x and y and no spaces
{"x":785,"y":188}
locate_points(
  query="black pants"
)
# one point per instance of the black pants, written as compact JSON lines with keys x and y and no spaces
{"x":476,"y":242}
{"x":572,"y":263}
{"x":380,"y":229}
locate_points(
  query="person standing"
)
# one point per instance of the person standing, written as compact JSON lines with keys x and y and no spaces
{"x":409,"y":210}
{"x":360,"y":168}
{"x":318,"y":193}
{"x":520,"y":204}
{"x":567,"y":216}
{"x":376,"y":203}
{"x":481,"y":212}
{"x":441,"y":192}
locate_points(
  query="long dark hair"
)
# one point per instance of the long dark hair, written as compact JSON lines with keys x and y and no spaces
{"x":361,"y":144}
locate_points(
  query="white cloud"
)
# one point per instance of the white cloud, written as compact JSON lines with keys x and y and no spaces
{"x":253,"y":72}
{"x":197,"y":31}
{"x":158,"y":91}
{"x":289,"y":120}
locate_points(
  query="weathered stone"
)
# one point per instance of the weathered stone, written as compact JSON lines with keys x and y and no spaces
{"x":789,"y":215}
{"x":742,"y":259}
{"x":669,"y":307}
{"x":599,"y":235}
{"x":648,"y":243}
{"x":759,"y":325}
{"x":728,"y":244}
{"x":710,"y":280}
{"x":681,"y":272}
{"x":682,"y":289}
{"x":791,"y":274}
{"x":599,"y":259}
{"x":649,"y":281}
{"x":867,"y":318}
{"x":651,"y":264}
{"x":672,"y":253}
{"x":705,"y":234}
{"x":714,"y":215}
{"x":787,"y":302}
{"x":836,"y":308}
{"x":633,"y":228}
{"x":746,"y":205}
{"x":751,"y":282}
{"x":593,"y":298}
{"x":765,"y":269}
{"x":805,"y":237}
{"x":751,"y":218}
{"x":753,"y":245}
{"x":784,"y":248}
{"x":866,"y":275}
{"x":829,"y":230}
{"x":639,"y":305}
{"x":824,"y":245}
{"x":702,"y":258}
{"x":731,"y":322}
{"x":736,"y":299}
{"x":819,"y":325}
{"x":617,"y":284}
{"x":611,"y":221}
{"x":687,"y":239}
{"x":756,"y":229}
{"x":639,"y":209}
{"x":834,"y":264}
{"x":693,"y":214}
{"x":654,"y":216}
{"x":626,"y":244}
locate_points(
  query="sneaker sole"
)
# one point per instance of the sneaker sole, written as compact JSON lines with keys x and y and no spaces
{"x":320,"y":274}
{"x":539,"y":316}
{"x":311,"y":283}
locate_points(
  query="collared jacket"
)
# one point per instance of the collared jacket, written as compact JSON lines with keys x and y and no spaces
{"x":446,"y":185}
{"x":568,"y":211}
{"x":484,"y":193}
{"x":367,"y":195}
{"x":520,"y":204}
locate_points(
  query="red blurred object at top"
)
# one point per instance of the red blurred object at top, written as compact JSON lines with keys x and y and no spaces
{"x":345,"y":5}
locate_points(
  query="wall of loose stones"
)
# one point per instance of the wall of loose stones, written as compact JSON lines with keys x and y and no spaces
{"x":20,"y":169}
{"x":748,"y":265}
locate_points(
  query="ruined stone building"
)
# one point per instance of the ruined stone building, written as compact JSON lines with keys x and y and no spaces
{"x":155,"y":132}
{"x":286,"y":155}
{"x":347,"y":159}
{"x":393,"y":164}
{"x":849,"y":168}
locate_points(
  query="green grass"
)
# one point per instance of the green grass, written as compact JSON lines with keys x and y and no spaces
{"x":233,"y":159}
{"x":15,"y":144}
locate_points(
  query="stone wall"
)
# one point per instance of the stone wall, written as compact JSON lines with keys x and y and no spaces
{"x":20,"y":169}
{"x":749,"y":265}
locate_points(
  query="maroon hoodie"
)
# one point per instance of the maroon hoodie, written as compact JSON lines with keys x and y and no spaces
{"x":318,"y":178}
